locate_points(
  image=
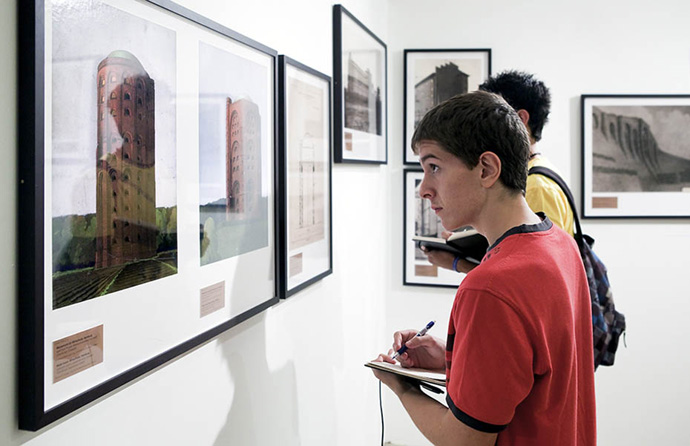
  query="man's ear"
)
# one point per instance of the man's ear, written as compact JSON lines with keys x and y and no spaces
{"x":490,"y":165}
{"x":524,"y":116}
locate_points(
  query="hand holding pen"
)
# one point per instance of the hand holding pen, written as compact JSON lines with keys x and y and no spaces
{"x":421,"y":332}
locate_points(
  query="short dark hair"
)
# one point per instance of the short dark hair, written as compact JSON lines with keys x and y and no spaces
{"x":470,"y":124}
{"x":523,"y":91}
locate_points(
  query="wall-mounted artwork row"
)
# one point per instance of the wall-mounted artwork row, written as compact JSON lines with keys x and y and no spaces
{"x":305,"y":254}
{"x":146,"y":199}
{"x":434,"y":75}
{"x":635,"y":156}
{"x":360,"y":92}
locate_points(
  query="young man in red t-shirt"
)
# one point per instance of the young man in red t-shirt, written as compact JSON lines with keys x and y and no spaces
{"x":518,"y":356}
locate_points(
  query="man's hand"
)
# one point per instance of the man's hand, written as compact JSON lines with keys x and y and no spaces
{"x":444,"y":259}
{"x":439,"y":257}
{"x":427,"y":352}
{"x":395,"y":382}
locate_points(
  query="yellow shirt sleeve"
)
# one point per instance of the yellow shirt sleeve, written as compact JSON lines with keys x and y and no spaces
{"x":544,"y":195}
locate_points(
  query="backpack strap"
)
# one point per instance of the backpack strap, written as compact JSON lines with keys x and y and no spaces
{"x":550,"y":174}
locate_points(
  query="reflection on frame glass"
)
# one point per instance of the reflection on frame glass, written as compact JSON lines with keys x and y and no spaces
{"x":360,"y":91}
{"x":421,"y":220}
{"x":305,"y":136}
{"x":110,"y":160}
{"x":233,"y":122}
{"x":434,"y":75}
{"x":635,"y":156}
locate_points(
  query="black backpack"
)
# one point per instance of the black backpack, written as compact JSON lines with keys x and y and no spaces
{"x":607,"y":323}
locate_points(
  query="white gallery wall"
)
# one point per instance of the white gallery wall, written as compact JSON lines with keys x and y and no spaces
{"x":293,"y":375}
{"x":584,"y":47}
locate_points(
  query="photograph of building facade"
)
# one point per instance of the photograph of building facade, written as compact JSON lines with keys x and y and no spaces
{"x":627,"y":155}
{"x":362,"y":100}
{"x":446,"y":81}
{"x":426,"y":223}
{"x":126,"y":164}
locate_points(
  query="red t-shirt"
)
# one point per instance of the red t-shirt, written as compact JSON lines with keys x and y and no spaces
{"x":519,"y":352}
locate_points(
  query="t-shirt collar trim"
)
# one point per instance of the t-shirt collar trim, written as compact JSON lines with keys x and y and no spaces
{"x":542,"y":226}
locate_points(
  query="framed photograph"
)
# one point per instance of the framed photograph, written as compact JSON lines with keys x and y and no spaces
{"x":121,"y":215}
{"x":635,"y":156}
{"x":305,"y":251}
{"x":421,"y":220}
{"x":434,"y":75}
{"x":360,"y":92}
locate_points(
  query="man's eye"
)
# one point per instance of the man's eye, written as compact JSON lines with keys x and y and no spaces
{"x":433,"y":167}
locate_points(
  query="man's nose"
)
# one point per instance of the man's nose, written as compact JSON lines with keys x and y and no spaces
{"x":424,"y":190}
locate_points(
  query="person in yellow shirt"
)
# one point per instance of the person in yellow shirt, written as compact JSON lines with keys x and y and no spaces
{"x":532,"y":101}
{"x":544,"y":195}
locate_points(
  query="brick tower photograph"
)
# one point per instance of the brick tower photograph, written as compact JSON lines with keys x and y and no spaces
{"x":126,"y":185}
{"x":243,"y":158}
{"x":235,"y":143}
{"x":113,"y":149}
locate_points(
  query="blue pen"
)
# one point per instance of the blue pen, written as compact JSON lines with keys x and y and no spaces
{"x":421,"y":332}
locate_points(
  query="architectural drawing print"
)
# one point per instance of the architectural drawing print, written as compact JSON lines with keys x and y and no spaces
{"x":306,"y":165}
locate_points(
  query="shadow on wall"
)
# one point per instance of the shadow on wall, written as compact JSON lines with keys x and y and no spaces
{"x":264,"y":403}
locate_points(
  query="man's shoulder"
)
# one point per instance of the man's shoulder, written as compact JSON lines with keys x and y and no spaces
{"x":525,"y":266}
{"x":522,"y":255}
{"x":545,"y":195}
{"x":540,"y":161}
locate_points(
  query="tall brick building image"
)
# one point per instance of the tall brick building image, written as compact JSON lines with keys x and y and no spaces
{"x":125,"y":167}
{"x":445,"y":82}
{"x":243,"y":159}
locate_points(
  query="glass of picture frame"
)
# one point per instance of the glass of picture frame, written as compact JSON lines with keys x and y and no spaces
{"x":305,"y":254}
{"x":420,"y":220}
{"x":360,"y":91}
{"x":433,"y":75}
{"x":635,"y":159}
{"x":135,"y":164}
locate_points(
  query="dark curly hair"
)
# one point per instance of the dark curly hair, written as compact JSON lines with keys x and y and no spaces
{"x":470,"y":124}
{"x":523,"y":92}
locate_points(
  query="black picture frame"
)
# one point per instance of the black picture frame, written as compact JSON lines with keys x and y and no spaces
{"x":635,"y":161}
{"x":434,"y":75}
{"x":420,"y":220}
{"x":305,"y":206}
{"x":360,"y":117}
{"x":39,"y":403}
